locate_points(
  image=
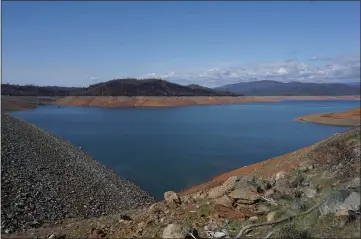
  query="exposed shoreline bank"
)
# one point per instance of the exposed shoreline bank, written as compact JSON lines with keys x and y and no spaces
{"x":14,"y":103}
{"x":170,"y":101}
{"x":345,"y":118}
{"x":267,"y":168}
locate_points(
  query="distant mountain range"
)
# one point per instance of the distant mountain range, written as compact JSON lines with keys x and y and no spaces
{"x":158,"y":87}
{"x":275,"y":88}
{"x":117,"y":87}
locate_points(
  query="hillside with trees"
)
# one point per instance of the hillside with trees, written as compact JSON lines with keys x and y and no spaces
{"x":116,"y":87}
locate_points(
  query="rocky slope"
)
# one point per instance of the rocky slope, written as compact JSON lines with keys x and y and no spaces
{"x":349,"y":117}
{"x":45,"y":180}
{"x":313,"y":192}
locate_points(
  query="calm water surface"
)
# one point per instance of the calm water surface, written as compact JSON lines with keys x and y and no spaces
{"x":163,"y":149}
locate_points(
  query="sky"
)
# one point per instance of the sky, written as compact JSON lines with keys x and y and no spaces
{"x":207,"y":43}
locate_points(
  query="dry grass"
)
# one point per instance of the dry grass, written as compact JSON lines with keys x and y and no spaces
{"x":340,"y":157}
{"x":290,"y":231}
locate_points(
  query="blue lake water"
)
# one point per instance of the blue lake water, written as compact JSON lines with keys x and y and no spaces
{"x":163,"y":149}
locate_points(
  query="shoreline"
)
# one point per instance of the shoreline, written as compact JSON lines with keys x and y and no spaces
{"x":15,"y":103}
{"x":346,"y":118}
{"x":266,"y":169}
{"x":172,"y":101}
{"x":259,"y":168}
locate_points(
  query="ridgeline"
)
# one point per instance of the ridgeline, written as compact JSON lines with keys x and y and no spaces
{"x":117,"y":87}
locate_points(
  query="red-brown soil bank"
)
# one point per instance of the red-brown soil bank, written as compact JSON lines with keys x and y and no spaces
{"x":347,"y":118}
{"x":169,"y":101}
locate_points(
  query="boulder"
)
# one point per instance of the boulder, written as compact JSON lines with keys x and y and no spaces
{"x":57,"y":236}
{"x":178,"y":231}
{"x":216,"y":192}
{"x":343,"y":213}
{"x":355,"y":183}
{"x":246,"y":178}
{"x":271,"y":216}
{"x":352,"y":202}
{"x":211,"y":226}
{"x":174,"y":231}
{"x":230,"y":182}
{"x":140,"y":227}
{"x":280,"y":175}
{"x":303,"y":168}
{"x":282,"y":186}
{"x":297,"y":204}
{"x":269,"y":193}
{"x":343,"y":217}
{"x":227,"y":186}
{"x":219,"y":235}
{"x":172,"y":198}
{"x":253,"y":219}
{"x":198,"y":195}
{"x":244,"y":193}
{"x":186,"y":199}
{"x":333,"y":202}
{"x":263,"y":208}
{"x":309,"y":192}
{"x":296,"y":181}
{"x":245,"y":201}
{"x":254,"y":183}
{"x":225,"y":201}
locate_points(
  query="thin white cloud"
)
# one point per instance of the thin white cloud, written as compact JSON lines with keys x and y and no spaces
{"x":332,"y":69}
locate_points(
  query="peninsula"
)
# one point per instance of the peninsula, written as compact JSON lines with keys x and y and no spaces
{"x":347,"y":118}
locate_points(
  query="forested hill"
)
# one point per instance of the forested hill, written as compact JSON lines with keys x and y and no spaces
{"x":117,"y":87}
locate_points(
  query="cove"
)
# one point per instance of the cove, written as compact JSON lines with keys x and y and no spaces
{"x":162,"y":149}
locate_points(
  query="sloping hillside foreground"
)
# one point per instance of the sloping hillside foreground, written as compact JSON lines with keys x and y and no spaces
{"x":312,"y":192}
{"x":45,"y":180}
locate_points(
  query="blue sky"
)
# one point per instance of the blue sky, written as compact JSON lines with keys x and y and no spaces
{"x":207,"y":43}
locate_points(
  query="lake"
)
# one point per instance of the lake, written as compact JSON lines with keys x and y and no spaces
{"x":163,"y":149}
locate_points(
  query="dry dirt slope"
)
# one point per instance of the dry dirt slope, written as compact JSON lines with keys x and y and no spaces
{"x":349,"y":117}
{"x":317,"y":189}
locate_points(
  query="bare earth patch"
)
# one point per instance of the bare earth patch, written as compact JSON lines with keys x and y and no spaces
{"x":347,"y":118}
{"x":171,"y":101}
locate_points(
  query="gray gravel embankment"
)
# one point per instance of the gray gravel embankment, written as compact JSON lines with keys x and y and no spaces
{"x":45,"y":179}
